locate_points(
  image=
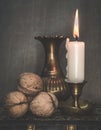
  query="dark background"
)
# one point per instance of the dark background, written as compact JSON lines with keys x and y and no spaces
{"x":22,"y":20}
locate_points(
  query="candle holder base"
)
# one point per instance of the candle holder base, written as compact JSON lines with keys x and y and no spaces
{"x":85,"y":107}
{"x":77,"y":106}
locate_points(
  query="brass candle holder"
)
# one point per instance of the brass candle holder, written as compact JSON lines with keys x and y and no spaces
{"x":77,"y":106}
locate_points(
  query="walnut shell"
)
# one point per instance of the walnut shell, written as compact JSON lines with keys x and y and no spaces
{"x":30,"y":83}
{"x":44,"y":104}
{"x":16,"y":103}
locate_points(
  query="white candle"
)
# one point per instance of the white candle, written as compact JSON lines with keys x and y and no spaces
{"x":75,"y":61}
{"x":75,"y":56}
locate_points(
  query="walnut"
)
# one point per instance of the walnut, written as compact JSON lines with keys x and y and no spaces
{"x":16,"y":103}
{"x":30,"y":83}
{"x":44,"y":104}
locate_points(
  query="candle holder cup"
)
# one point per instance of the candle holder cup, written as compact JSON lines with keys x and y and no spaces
{"x":77,"y":106}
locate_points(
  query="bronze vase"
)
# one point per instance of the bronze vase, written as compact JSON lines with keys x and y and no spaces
{"x":52,"y":75}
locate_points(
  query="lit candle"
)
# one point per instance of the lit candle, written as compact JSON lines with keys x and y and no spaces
{"x":75,"y":56}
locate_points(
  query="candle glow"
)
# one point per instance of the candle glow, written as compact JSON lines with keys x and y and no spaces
{"x":76,"y":25}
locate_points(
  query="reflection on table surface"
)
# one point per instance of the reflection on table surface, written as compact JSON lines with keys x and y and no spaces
{"x":64,"y":127}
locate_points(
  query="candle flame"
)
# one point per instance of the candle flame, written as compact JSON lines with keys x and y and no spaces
{"x":76,"y":25}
